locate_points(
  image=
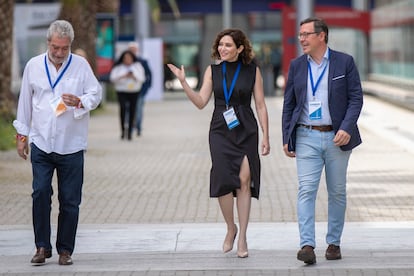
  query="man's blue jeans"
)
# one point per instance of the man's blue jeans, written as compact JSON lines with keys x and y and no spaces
{"x":69,"y":169}
{"x":139,"y":113}
{"x":314,"y":151}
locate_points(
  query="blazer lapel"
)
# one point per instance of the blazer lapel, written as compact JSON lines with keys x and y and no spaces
{"x":332,"y":66}
{"x":303,"y":73}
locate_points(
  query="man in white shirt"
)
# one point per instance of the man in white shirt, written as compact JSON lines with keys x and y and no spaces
{"x":58,"y":90}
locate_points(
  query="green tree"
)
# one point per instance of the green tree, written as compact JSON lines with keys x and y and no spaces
{"x":7,"y":100}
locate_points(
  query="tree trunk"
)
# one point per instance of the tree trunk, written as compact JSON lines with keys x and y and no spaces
{"x":7,"y":100}
{"x":82,"y":15}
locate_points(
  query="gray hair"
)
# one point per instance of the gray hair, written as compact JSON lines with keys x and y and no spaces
{"x":62,"y":28}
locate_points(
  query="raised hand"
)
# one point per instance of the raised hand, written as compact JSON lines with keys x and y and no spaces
{"x":178,"y":72}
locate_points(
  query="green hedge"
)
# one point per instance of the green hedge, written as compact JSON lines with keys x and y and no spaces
{"x":7,"y":135}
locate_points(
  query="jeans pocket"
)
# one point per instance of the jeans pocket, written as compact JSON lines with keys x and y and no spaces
{"x":302,"y":132}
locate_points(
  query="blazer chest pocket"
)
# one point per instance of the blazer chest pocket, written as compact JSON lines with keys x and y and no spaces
{"x":339,"y":83}
{"x":339,"y":77}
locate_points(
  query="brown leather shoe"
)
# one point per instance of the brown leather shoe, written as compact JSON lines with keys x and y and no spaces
{"x":307,"y":255}
{"x":65,"y":258}
{"x":41,"y":255}
{"x":333,"y":252}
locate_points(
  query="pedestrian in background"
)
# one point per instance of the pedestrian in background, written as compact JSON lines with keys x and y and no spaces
{"x":81,"y":52}
{"x":127,"y":75}
{"x":322,"y":103}
{"x":58,"y":90}
{"x":134,"y":47}
{"x":233,"y":134}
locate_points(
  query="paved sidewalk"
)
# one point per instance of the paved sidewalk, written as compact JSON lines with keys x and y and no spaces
{"x":193,"y":249}
{"x":146,"y":209}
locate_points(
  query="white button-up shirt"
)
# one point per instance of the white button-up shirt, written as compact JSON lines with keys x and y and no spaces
{"x":123,"y":84}
{"x":36,"y":118}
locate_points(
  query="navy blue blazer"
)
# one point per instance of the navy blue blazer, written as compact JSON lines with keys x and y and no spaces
{"x":344,"y":96}
{"x":148,"y":77}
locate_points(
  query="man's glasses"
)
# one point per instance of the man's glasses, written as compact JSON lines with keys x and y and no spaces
{"x":305,"y":35}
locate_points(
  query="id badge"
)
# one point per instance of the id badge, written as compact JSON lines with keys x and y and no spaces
{"x":58,"y":106}
{"x":315,"y":110}
{"x":231,"y":118}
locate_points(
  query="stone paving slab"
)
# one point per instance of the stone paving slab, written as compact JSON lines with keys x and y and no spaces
{"x":380,"y":247}
{"x":189,"y":237}
{"x":196,"y":263}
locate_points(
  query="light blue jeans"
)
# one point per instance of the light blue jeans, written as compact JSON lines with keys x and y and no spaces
{"x":315,"y":150}
{"x":139,"y":113}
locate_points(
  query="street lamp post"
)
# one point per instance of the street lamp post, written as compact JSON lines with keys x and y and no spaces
{"x":226,"y":4}
{"x":304,"y":9}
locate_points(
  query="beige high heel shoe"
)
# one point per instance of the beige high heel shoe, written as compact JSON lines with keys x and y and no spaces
{"x":242,"y":254}
{"x":228,"y":245}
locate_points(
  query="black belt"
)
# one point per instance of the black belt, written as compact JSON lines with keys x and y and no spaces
{"x":320,"y":128}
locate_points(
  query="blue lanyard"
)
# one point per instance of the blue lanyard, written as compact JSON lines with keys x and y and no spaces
{"x":61,"y":74}
{"x":315,"y":86}
{"x":227,"y":93}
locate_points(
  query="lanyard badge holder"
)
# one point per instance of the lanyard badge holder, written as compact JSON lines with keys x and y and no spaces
{"x":229,"y":114}
{"x":56,"y":102}
{"x":315,"y":107}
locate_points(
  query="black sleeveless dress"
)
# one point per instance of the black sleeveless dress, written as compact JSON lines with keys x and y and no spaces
{"x":228,"y":147}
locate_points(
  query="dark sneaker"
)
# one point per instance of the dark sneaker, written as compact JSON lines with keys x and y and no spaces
{"x":41,"y":255}
{"x":307,"y":255}
{"x":333,"y":252}
{"x":65,"y":258}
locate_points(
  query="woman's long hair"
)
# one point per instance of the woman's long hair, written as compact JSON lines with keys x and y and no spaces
{"x":121,"y":57}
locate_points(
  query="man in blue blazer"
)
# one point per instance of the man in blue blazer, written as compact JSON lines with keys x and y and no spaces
{"x":322,"y":103}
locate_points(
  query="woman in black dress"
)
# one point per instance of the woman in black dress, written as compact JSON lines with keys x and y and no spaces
{"x":234,"y":133}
